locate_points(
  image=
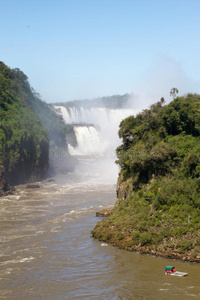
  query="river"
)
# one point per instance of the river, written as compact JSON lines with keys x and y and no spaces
{"x":47,"y":251}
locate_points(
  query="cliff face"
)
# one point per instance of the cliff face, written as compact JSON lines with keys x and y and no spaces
{"x":124,"y":188}
{"x":4,"y":188}
{"x":158,"y":190}
{"x":31,"y":166}
{"x":24,"y":142}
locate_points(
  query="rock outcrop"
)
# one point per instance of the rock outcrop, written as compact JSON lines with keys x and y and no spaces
{"x":104,"y":213}
{"x":4,"y":188}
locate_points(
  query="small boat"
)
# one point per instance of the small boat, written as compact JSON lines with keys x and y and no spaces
{"x":170,"y":270}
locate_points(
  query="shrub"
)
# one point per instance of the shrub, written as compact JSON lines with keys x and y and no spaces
{"x":198,"y":242}
{"x":184,"y":245}
{"x":142,"y":226}
{"x":145,"y":239}
{"x":135,"y":238}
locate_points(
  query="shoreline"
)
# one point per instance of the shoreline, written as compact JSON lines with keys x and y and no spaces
{"x":127,"y":243}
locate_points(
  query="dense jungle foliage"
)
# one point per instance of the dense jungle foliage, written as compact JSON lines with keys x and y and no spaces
{"x":24,"y":141}
{"x":158,"y":208}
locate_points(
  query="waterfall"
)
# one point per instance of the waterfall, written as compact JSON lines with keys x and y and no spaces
{"x":89,"y":141}
{"x":96,"y":129}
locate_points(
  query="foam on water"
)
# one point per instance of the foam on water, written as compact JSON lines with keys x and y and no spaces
{"x":16,"y":261}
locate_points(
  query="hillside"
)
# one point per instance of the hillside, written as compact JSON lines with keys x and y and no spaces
{"x":158,"y":207}
{"x":54,"y":123}
{"x":28,"y":126}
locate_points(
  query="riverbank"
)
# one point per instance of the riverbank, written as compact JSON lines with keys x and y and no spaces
{"x":158,"y":188}
{"x":121,"y":233}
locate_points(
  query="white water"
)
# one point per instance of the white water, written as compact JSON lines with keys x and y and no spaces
{"x":100,"y":134}
{"x":89,"y":141}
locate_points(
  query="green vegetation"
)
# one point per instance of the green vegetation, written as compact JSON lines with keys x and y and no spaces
{"x":158,"y":208}
{"x":57,"y":129}
{"x":26,"y":126}
{"x":24,"y":141}
{"x":112,"y":102}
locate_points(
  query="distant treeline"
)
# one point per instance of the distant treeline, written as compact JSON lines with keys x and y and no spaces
{"x":110,"y":102}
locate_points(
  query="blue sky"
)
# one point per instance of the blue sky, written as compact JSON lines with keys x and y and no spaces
{"x":82,"y":49}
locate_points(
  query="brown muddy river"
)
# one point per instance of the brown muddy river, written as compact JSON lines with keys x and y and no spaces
{"x":47,"y":251}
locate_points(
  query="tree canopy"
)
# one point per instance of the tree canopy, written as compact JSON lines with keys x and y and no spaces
{"x":24,"y":142}
{"x":158,"y":207}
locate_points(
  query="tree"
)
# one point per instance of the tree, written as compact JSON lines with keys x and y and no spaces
{"x":162,"y":100}
{"x":173,"y":92}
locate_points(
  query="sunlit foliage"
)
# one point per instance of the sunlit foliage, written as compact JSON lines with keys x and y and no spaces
{"x":158,"y":208}
{"x":24,"y":142}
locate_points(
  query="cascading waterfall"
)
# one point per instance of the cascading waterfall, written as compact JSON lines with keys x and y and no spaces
{"x":89,"y":141}
{"x":96,"y":129}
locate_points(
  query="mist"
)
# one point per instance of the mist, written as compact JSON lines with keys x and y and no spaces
{"x":157,"y":82}
{"x":96,"y":123}
{"x":95,"y":127}
{"x":96,"y":131}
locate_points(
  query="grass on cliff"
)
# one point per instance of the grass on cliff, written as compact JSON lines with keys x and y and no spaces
{"x":141,"y":221}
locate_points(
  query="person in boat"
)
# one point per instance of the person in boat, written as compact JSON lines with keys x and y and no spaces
{"x":170,"y":269}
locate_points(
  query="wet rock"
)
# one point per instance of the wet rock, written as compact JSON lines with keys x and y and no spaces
{"x":32,"y":186}
{"x":104,"y":213}
{"x":51,"y":180}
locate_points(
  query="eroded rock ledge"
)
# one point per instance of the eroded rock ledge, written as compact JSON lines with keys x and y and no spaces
{"x":104,"y":213}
